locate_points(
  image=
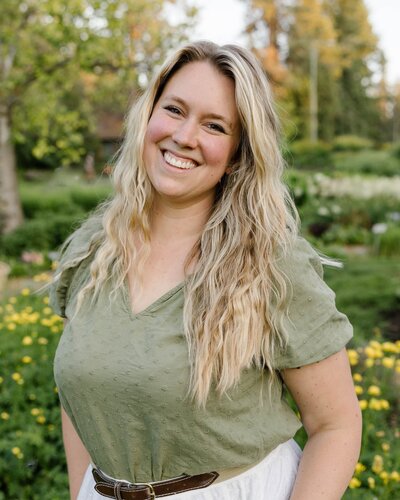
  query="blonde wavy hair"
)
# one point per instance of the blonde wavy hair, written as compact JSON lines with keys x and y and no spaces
{"x":232,"y":320}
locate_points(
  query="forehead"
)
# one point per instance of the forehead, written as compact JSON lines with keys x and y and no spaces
{"x":202,"y":85}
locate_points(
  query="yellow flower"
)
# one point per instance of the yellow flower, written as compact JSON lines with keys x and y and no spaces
{"x":363,"y":404}
{"x":375,"y":344}
{"x":357,"y":377}
{"x":27,"y":340}
{"x":27,"y":359}
{"x":42,"y":341}
{"x":395,"y":476}
{"x":41,"y":419}
{"x":377,"y":464}
{"x":35,"y":412}
{"x":46,"y":300}
{"x":4,"y":415}
{"x":16,"y":376}
{"x":15,"y":450}
{"x":359,"y":390}
{"x":25,"y":292}
{"x":380,"y":434}
{"x":359,"y":468}
{"x":375,"y":404}
{"x":371,"y":482}
{"x":1,"y":380}
{"x":388,"y":362}
{"x":373,"y":352}
{"x":11,"y":326}
{"x":12,"y":300}
{"x":385,"y":404}
{"x":47,"y":310}
{"x":398,"y":369}
{"x":354,"y":483}
{"x":390,"y":347}
{"x":385,"y":446}
{"x":384,"y":476}
{"x":374,"y":390}
{"x":353,"y":356}
{"x":54,"y":329}
{"x":369,"y":363}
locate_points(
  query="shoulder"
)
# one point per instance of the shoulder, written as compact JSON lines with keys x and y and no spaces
{"x":301,"y":258}
{"x":76,"y":254}
{"x":313,"y":326}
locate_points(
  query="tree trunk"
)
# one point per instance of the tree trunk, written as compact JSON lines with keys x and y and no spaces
{"x":11,"y":215}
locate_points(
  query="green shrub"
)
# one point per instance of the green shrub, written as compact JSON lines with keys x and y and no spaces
{"x":351,"y":143}
{"x":310,"y":154}
{"x":35,"y":204}
{"x":395,"y":151}
{"x":389,"y":242}
{"x":46,"y":233}
{"x":38,"y":199}
{"x":367,"y":162}
{"x":88,"y":199}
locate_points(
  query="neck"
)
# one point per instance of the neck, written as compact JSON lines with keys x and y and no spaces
{"x":178,"y":222}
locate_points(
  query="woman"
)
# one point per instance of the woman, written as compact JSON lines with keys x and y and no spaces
{"x":190,"y":300}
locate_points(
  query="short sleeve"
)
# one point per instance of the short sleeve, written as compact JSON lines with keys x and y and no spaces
{"x":315,"y":328}
{"x":73,"y":266}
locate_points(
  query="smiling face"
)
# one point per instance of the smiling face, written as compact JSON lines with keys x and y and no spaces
{"x":192,"y":134}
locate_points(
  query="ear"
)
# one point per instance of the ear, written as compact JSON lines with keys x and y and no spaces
{"x":228,"y":170}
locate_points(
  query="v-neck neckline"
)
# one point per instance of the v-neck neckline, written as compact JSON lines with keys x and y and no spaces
{"x":147,"y":310}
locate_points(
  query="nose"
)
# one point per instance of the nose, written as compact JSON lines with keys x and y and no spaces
{"x":185,"y":135}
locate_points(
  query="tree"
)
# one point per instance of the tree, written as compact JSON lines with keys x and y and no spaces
{"x":357,"y":109}
{"x":326,"y":51}
{"x":47,"y":45}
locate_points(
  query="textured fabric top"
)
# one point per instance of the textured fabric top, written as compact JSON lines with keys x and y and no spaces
{"x":123,"y":377}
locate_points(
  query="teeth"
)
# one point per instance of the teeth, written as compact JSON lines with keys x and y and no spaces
{"x":175,"y":162}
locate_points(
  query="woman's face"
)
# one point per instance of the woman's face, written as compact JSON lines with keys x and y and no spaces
{"x":192,"y":134}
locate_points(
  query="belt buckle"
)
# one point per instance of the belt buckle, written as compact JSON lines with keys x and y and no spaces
{"x":152,"y":492}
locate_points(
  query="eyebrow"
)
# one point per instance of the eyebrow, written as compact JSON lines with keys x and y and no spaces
{"x":215,"y":116}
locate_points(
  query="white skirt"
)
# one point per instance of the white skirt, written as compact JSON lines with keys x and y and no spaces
{"x":271,"y":479}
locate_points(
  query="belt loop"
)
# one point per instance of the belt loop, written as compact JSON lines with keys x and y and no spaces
{"x":117,"y":490}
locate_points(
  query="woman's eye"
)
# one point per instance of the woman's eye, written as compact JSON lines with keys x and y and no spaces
{"x":173,"y":109}
{"x":217,"y":127}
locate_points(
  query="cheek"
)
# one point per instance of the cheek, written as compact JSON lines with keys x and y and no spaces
{"x":157,"y":129}
{"x":219,"y":154}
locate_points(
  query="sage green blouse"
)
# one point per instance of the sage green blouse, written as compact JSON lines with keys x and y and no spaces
{"x":122,"y":377}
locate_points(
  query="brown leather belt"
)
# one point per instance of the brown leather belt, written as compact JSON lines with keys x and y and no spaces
{"x":122,"y":490}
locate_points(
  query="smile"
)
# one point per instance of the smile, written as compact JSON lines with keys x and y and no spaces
{"x":178,"y":162}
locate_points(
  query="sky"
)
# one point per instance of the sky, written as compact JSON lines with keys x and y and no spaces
{"x":223,"y":20}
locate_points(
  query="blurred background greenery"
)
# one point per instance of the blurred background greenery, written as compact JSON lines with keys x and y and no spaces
{"x":67,"y":74}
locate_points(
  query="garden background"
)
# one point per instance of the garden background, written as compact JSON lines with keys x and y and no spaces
{"x":67,"y":74}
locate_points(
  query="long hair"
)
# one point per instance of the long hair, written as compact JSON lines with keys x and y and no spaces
{"x":235,"y":299}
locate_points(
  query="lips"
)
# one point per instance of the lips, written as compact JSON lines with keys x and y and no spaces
{"x":178,"y":162}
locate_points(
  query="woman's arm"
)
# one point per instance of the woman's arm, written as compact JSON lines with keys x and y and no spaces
{"x":78,"y":458}
{"x":325,"y":396}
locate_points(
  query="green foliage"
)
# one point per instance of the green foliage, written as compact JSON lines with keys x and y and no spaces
{"x":367,"y":291}
{"x":351,"y":143}
{"x":367,"y":162}
{"x":311,"y":154}
{"x":64,"y":63}
{"x":46,"y":233}
{"x":74,"y":200}
{"x":396,"y":150}
{"x":32,"y":461}
{"x":388,"y":243}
